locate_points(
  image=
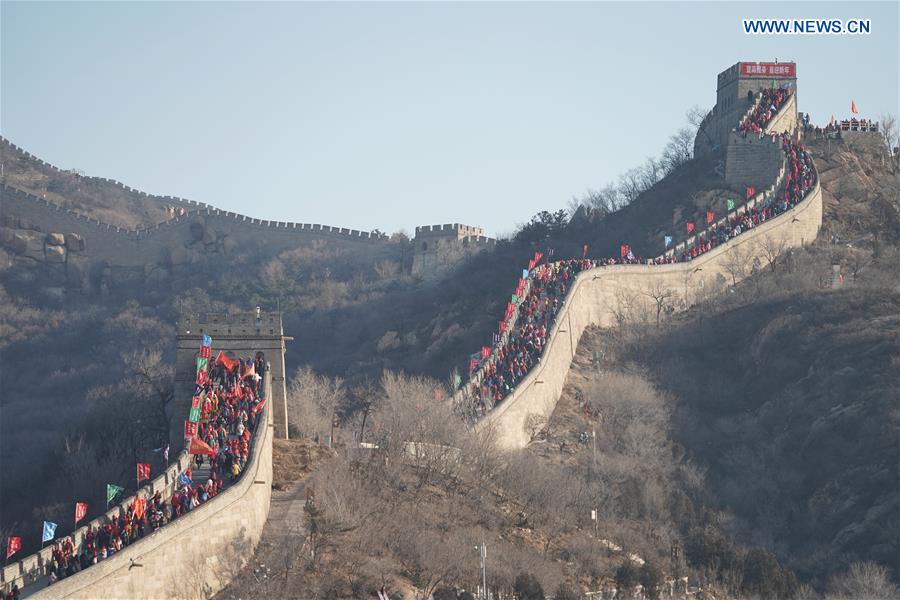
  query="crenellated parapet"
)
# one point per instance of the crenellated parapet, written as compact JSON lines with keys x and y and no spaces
{"x":437,"y":248}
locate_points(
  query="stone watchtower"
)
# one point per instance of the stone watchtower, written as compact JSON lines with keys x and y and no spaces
{"x":732,"y":88}
{"x":747,"y":160}
{"x":238,"y":335}
{"x":439,"y":247}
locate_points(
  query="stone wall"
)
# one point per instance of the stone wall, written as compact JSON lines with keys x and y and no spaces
{"x":194,"y":556}
{"x":599,"y":294}
{"x":174,"y":241}
{"x":438,"y":248}
{"x":32,"y":568}
{"x":242,"y":335}
{"x":751,"y":160}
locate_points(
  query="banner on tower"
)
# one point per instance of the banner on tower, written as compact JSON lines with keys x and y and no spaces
{"x":768,"y":69}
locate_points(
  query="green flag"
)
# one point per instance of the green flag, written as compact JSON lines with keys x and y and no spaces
{"x":514,"y":299}
{"x":201,"y":363}
{"x":730,"y":204}
{"x":194,"y":416}
{"x":457,"y":380}
{"x":112,"y":491}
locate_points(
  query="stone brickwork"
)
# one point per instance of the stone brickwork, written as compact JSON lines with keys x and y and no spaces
{"x":194,"y":556}
{"x":597,"y":295}
{"x":198,"y":553}
{"x":751,"y":160}
{"x":731,"y":105}
{"x":173,"y":241}
{"x":437,"y":248}
{"x":242,"y":335}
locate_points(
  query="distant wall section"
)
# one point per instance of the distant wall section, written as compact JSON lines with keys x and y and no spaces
{"x":437,"y":248}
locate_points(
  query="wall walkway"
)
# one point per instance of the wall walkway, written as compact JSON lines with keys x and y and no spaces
{"x":601,"y":293}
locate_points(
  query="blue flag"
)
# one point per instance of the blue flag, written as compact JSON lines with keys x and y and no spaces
{"x":524,"y":273}
{"x":207,"y":341}
{"x":668,"y":241}
{"x":183,"y":479}
{"x":49,"y":531}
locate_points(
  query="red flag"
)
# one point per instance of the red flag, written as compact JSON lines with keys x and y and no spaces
{"x":190,"y":429}
{"x":249,"y":370}
{"x":751,"y":191}
{"x":258,"y":407}
{"x":537,"y":257}
{"x":226,"y":362}
{"x":710,"y":216}
{"x":530,"y":265}
{"x":196,"y":402}
{"x":205,"y":352}
{"x":502,"y":326}
{"x":80,"y":511}
{"x":143,"y":471}
{"x":584,"y":251}
{"x":624,"y":250}
{"x":202,"y":377}
{"x":485,"y":351}
{"x":138,"y":507}
{"x":853,"y":108}
{"x":13,"y":545}
{"x":690,"y":226}
{"x":198,"y":446}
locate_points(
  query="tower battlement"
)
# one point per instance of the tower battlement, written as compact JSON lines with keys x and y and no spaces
{"x":439,"y":247}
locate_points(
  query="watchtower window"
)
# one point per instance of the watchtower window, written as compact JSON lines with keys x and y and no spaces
{"x":424,"y":246}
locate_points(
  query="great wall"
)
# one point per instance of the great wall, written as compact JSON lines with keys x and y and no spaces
{"x":158,"y":565}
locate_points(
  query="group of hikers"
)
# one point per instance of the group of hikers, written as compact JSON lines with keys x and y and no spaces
{"x":514,"y":354}
{"x":137,"y":520}
{"x":836,"y":127}
{"x":771,"y":100}
{"x":549,"y":284}
{"x":231,"y":400}
{"x":799,"y":178}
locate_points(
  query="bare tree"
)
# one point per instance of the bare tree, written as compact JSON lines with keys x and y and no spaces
{"x":772,"y":248}
{"x":891,"y":134}
{"x":660,"y":294}
{"x":313,"y":401}
{"x":680,"y":148}
{"x":535,"y":425}
{"x":863,"y":580}
{"x":737,"y":263}
{"x":623,"y":308}
{"x":696,"y":116}
{"x":387,"y":269}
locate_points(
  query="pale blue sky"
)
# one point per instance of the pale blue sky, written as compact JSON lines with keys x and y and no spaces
{"x":393,"y":115}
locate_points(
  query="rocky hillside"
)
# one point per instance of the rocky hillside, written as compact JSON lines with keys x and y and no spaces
{"x":861,"y":190}
{"x":351,"y":317}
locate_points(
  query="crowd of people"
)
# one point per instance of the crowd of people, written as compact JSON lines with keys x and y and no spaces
{"x":771,"y":100}
{"x":231,"y":402}
{"x":549,"y":284}
{"x":835,"y":127}
{"x":513,"y":356}
{"x":799,"y":178}
{"x":99,"y":544}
